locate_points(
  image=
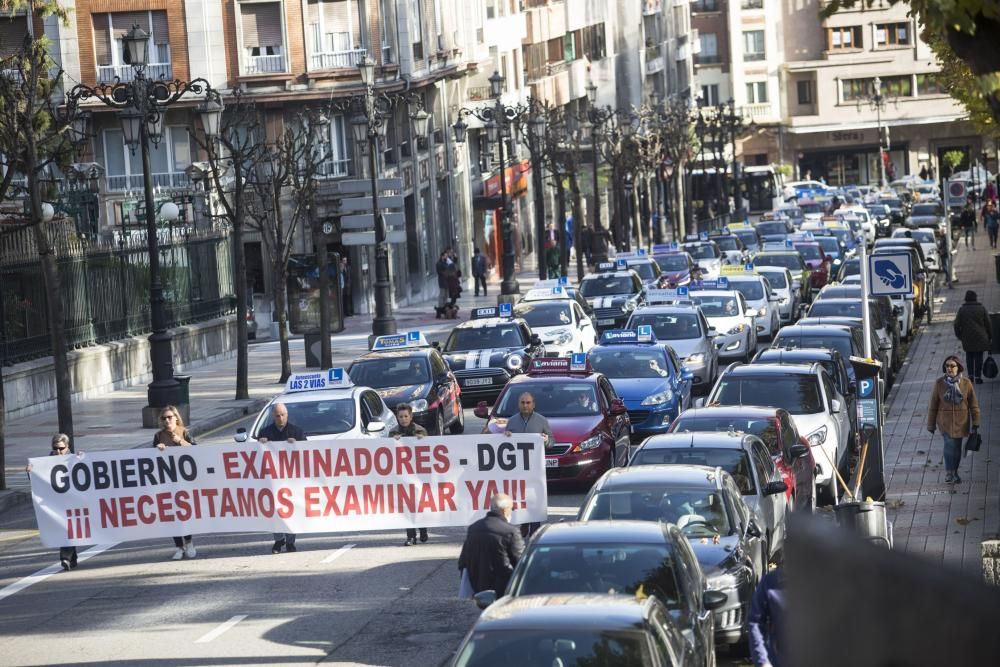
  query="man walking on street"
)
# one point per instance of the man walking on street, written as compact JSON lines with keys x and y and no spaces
{"x":991,"y":220}
{"x":281,"y":430}
{"x":973,"y":328}
{"x":492,"y":548}
{"x":479,"y":267}
{"x":407,"y":428}
{"x":345,"y":288}
{"x":442,"y":267}
{"x":529,"y":421}
{"x":967,"y":221}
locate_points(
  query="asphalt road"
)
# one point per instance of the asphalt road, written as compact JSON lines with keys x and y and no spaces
{"x":344,"y":599}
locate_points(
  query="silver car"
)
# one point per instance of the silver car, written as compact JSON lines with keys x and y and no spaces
{"x":780,"y":281}
{"x":685,"y":329}
{"x":757,"y":292}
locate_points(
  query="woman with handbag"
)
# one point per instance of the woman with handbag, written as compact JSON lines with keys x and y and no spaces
{"x":954,"y":409}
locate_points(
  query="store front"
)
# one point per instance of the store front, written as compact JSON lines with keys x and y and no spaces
{"x":488,"y":212}
{"x":852,"y":165}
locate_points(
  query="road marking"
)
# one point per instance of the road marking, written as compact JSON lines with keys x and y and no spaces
{"x":17,"y":535}
{"x":47,"y":572}
{"x":338,"y":553}
{"x":215,"y":634}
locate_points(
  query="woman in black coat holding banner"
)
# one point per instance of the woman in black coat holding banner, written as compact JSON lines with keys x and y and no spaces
{"x":172,"y":433}
{"x":60,"y":447}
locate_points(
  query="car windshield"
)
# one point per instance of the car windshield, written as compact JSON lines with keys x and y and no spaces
{"x":790,"y":262}
{"x":765,"y":429}
{"x":702,"y":250}
{"x":484,"y":338}
{"x":926,"y":210}
{"x":771,"y":228}
{"x":923,"y":236}
{"x":613,"y":568}
{"x":793,"y":212}
{"x":751,"y":290}
{"x":776,"y":279}
{"x":842,"y":234}
{"x":606,"y":285}
{"x":732,"y":460}
{"x":672,"y":263}
{"x":748,"y":236}
{"x":320,"y":417}
{"x":644,"y":269}
{"x":390,"y":372}
{"x":893,"y":203}
{"x":851,"y":267}
{"x":544,"y":313}
{"x":552,"y":399}
{"x":827,"y":308}
{"x":727,"y":243}
{"x":630,"y":363}
{"x":829,"y":244}
{"x":570,"y":648}
{"x":808,"y":251}
{"x":812,"y":207}
{"x":669,"y":326}
{"x":697,"y":512}
{"x":841,"y":344}
{"x":877,"y":209}
{"x":799,"y":394}
{"x":717,"y":305}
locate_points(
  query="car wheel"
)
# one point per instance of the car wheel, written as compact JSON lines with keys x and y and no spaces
{"x":439,"y":423}
{"x":458,"y":426}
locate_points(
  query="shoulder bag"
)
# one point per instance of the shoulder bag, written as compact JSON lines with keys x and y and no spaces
{"x":990,"y":368}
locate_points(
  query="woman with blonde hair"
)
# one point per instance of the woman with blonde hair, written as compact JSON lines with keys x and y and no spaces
{"x":173,"y":433}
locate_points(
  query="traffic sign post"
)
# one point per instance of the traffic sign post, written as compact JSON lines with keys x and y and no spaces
{"x":890,"y":274}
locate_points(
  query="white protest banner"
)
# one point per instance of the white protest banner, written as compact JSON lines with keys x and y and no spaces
{"x":317,"y":486}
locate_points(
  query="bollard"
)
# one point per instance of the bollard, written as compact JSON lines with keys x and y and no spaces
{"x":991,"y":562}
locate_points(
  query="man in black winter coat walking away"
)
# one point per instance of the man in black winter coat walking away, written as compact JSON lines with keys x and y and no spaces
{"x":973,"y":328}
{"x":492,"y":548}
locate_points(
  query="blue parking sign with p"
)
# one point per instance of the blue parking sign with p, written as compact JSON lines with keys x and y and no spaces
{"x":866,"y":388}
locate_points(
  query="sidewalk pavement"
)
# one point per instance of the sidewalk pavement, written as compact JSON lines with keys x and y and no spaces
{"x":928,"y":520}
{"x":113,"y":421}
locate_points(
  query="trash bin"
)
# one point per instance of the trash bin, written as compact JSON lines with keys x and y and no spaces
{"x":314,"y":355}
{"x":184,"y":392}
{"x":995,"y":325}
{"x":867,"y":519}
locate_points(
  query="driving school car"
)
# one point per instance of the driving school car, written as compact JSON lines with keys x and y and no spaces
{"x":486,"y":351}
{"x":614,"y":291}
{"x":757,"y":292}
{"x":676,"y":266}
{"x":728,"y":313}
{"x":640,"y":262}
{"x":558,"y":320}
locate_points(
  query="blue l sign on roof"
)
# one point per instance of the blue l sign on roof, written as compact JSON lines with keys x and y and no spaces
{"x":890,"y":274}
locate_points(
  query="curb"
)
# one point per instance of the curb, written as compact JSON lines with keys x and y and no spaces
{"x":10,"y":499}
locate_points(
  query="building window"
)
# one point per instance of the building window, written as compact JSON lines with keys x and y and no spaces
{"x":338,"y":159}
{"x":336,"y":35}
{"x":892,"y":34}
{"x":262,"y":37}
{"x":535,"y":58}
{"x":569,"y":48}
{"x":757,"y":92}
{"x":752,"y":4}
{"x":593,"y":42}
{"x":805,"y":91}
{"x":753,"y":45}
{"x":417,"y":23}
{"x":109,"y":49}
{"x":167,"y":160}
{"x":848,"y":37}
{"x":709,"y":42}
{"x":705,"y":6}
{"x":930,"y":84}
{"x":555,"y":50}
{"x":491,"y":9}
{"x":892,"y":86}
{"x":709,"y":95}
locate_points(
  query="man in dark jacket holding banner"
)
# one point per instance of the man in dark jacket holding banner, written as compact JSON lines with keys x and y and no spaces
{"x":492,"y":548}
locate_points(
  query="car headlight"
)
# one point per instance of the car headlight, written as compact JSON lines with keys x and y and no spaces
{"x":696,"y":358}
{"x":836,"y":262}
{"x":514,"y":362}
{"x":724,"y":582}
{"x":739,"y":328}
{"x":762,"y":312}
{"x":817,"y":437}
{"x":593,"y":442}
{"x":419,"y":405}
{"x":657,"y":399}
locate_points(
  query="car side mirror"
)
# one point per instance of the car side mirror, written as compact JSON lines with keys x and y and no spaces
{"x":699,"y":402}
{"x":773,"y":488}
{"x":712,"y":600}
{"x":753,"y":530}
{"x":241,"y":435}
{"x":484,"y":599}
{"x":535,"y":340}
{"x":686,"y":374}
{"x":482,"y":410}
{"x":375,"y":427}
{"x":618,"y":407}
{"x":712,"y":332}
{"x":798,"y":450}
{"x":836,"y":405}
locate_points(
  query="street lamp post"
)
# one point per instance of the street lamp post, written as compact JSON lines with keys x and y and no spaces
{"x":734,"y":124}
{"x":596,"y":118}
{"x":877,"y":102}
{"x":142,"y":104}
{"x":668,"y":174}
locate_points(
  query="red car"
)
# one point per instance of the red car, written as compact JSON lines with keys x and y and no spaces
{"x":818,"y":261}
{"x":790,"y":451}
{"x":590,"y":425}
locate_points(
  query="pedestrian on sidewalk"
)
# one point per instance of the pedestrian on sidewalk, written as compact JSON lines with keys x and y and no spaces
{"x":492,"y":548}
{"x":954,"y":409}
{"x":528,"y":421}
{"x":967,"y":221}
{"x":973,"y":329}
{"x":407,"y":428}
{"x":281,"y":430}
{"x":454,"y":280}
{"x":479,"y":269}
{"x":172,"y":433}
{"x":442,"y":267}
{"x":766,"y":620}
{"x":346,"y":296}
{"x":60,"y":447}
{"x":991,"y":220}
{"x":945,"y":257}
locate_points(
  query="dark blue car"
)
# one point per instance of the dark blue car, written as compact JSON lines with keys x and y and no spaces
{"x":647,"y":376}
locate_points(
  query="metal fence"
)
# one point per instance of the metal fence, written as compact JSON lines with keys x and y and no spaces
{"x":104,"y":287}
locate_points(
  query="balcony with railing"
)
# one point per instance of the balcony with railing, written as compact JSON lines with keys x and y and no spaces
{"x":130,"y":182}
{"x":334,"y":168}
{"x":705,"y":6}
{"x":707,"y":59}
{"x":654,"y":60}
{"x":265,"y":64}
{"x":339,"y":59}
{"x":126,"y":74}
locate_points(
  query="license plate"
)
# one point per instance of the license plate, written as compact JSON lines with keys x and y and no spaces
{"x":604,"y":323}
{"x":551,"y":463}
{"x":478,"y":382}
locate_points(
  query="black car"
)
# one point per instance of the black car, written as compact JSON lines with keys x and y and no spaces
{"x":621,"y":558}
{"x":897,"y":209}
{"x":708,"y":509}
{"x":575,"y":630}
{"x":485,"y":352}
{"x":880,"y":351}
{"x":889,"y":310}
{"x":845,"y":340}
{"x":882,"y":217}
{"x":839,"y":369}
{"x":405,"y":369}
{"x":613,"y":294}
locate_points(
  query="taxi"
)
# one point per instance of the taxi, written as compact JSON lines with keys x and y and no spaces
{"x":706,"y":253}
{"x":590,"y":424}
{"x":792,"y":212}
{"x":538,"y":293}
{"x":643,"y":264}
{"x":327,"y":404}
{"x":774,"y":230}
{"x":558,"y":320}
{"x":677,"y":268}
{"x":780,"y":281}
{"x":788,"y":258}
{"x":679,"y":323}
{"x":730,"y":245}
{"x":834,"y":226}
{"x":728,"y":313}
{"x":614,"y":291}
{"x":648,"y":377}
{"x":759,"y":296}
{"x":488,"y":350}
{"x":404,"y":368}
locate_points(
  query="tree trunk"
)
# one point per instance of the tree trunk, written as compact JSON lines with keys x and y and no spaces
{"x":280,"y":271}
{"x":323,"y":265}
{"x":239,"y":276}
{"x":574,"y":187}
{"x":561,"y":222}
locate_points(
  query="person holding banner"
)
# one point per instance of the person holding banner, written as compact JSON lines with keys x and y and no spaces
{"x":407,"y":428}
{"x":281,"y":430}
{"x":492,"y":548}
{"x":172,"y":433}
{"x":60,"y":447}
{"x":529,"y":421}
